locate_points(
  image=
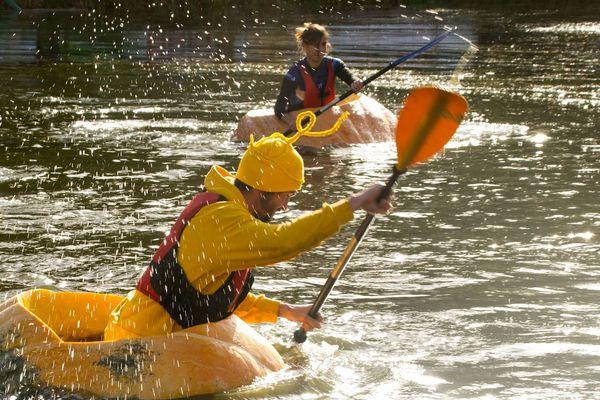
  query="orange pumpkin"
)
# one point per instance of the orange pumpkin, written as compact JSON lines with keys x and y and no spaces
{"x":57,"y":336}
{"x":368,"y":122}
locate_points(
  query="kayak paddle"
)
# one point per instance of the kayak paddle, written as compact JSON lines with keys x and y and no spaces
{"x":376,"y":75}
{"x":427,"y":121}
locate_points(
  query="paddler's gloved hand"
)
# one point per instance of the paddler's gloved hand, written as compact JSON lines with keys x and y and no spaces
{"x":300,"y":314}
{"x":356,"y":86}
{"x":367,"y":200}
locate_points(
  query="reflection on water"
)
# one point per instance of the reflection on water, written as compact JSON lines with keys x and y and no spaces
{"x":483,"y":282}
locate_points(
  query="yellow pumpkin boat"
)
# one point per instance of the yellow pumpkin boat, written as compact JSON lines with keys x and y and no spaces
{"x":58,"y":337}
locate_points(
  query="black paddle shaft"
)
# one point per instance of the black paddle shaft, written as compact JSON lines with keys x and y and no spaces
{"x":300,"y":334}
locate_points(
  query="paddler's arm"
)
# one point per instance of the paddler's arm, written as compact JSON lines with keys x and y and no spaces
{"x":258,"y":309}
{"x":256,"y":243}
{"x":288,"y":87}
{"x":287,"y":100}
{"x":246,"y":242}
{"x":342,"y":72}
{"x":280,"y":242}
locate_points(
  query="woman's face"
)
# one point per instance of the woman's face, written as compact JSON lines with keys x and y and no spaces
{"x":315,"y":51}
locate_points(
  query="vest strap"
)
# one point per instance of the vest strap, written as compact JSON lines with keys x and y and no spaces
{"x":312,"y":96}
{"x":165,"y":282}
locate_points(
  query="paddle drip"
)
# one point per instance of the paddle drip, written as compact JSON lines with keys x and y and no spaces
{"x":467,"y":57}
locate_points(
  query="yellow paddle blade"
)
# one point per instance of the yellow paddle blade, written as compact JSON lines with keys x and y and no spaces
{"x":427,"y":121}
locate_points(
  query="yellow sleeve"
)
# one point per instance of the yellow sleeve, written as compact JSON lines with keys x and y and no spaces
{"x":224,"y":237}
{"x":255,"y":309}
{"x":255,"y":243}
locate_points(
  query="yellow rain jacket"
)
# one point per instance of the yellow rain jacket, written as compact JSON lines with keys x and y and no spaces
{"x":224,"y":237}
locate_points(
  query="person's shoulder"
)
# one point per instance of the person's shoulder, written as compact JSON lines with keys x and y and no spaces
{"x":229,"y":214}
{"x":295,"y":66}
{"x":293,"y":72}
{"x":221,"y":214}
{"x":336,"y":61}
{"x":228,"y":205}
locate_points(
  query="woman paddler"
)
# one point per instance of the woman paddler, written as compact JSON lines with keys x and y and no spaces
{"x":203,"y":270}
{"x":310,"y":82}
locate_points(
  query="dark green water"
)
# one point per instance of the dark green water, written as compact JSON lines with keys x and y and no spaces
{"x":484,"y":281}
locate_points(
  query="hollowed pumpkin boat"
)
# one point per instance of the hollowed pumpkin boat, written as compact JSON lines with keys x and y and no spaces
{"x":368,"y":122}
{"x":57,"y":336}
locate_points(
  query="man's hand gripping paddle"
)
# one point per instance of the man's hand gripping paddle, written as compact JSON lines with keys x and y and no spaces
{"x":427,"y":121}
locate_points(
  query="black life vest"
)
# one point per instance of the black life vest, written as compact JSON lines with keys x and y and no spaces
{"x":165,"y":282}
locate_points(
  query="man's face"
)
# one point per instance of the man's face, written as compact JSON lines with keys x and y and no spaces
{"x":269,"y":203}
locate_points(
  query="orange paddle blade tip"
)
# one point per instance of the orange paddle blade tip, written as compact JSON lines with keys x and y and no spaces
{"x":427,"y":121}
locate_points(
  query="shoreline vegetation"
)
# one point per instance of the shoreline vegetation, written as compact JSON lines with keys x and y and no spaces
{"x":185,"y":8}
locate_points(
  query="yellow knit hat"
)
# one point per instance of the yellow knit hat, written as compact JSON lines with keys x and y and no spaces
{"x":272,"y":164}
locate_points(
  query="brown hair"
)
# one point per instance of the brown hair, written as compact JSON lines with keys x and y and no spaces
{"x":312,"y":34}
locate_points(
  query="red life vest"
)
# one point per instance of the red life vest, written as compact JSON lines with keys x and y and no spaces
{"x":165,"y":282}
{"x":312,"y":96}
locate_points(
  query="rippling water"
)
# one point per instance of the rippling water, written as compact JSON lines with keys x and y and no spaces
{"x":483,"y":283}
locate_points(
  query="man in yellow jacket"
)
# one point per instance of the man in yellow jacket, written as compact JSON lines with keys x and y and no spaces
{"x":202,"y":271}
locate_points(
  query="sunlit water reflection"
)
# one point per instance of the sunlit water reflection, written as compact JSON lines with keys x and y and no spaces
{"x":483,"y":282}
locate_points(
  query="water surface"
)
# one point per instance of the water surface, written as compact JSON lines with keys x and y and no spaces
{"x":483,"y":282}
